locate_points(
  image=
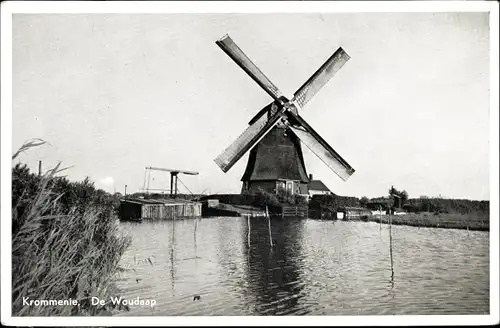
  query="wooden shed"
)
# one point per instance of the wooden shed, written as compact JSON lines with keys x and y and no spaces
{"x":355,"y":213}
{"x":158,"y":209}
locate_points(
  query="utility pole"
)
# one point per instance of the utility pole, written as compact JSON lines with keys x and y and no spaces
{"x":125,"y":190}
{"x":39,"y":168}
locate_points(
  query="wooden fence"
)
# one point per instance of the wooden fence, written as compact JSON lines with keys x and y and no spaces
{"x":298,"y":211}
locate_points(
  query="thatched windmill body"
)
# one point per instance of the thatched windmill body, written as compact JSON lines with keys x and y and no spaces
{"x":275,"y":134}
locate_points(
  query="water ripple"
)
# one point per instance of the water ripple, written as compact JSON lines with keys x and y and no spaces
{"x":314,"y":268}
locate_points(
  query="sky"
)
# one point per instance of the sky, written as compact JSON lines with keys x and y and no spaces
{"x":114,"y":93}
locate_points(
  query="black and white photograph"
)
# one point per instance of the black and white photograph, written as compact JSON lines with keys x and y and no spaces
{"x":323,"y":163}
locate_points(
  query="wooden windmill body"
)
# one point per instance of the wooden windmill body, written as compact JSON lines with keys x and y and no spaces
{"x":276,"y":164}
{"x":275,"y":134}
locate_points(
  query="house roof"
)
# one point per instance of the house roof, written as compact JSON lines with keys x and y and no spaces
{"x":317,"y":185}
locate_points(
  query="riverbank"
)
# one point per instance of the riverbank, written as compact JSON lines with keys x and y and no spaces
{"x":322,"y":207}
{"x":430,"y":220}
{"x":221,"y":209}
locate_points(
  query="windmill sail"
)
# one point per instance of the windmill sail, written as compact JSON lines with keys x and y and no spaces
{"x":320,"y":148}
{"x":251,"y":136}
{"x":320,"y":77}
{"x":239,"y":57}
{"x":281,"y":108}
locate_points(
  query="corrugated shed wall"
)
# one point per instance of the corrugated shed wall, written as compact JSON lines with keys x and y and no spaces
{"x":170,"y":211}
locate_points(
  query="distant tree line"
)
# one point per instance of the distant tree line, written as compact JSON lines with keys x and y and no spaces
{"x":442,"y":205}
{"x":400,"y":199}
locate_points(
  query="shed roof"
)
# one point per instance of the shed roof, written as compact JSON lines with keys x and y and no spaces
{"x":156,"y":201}
{"x":317,"y":185}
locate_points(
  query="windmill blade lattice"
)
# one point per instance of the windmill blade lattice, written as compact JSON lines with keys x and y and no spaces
{"x":320,"y":77}
{"x":309,"y":137}
{"x":247,"y":140}
{"x":236,"y":54}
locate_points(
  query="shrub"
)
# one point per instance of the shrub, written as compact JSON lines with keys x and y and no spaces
{"x":262,"y":198}
{"x":65,"y":243}
{"x":286,"y":198}
{"x":300,"y":200}
{"x":333,"y":202}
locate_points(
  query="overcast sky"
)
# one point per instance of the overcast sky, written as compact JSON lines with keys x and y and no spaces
{"x":115,"y":93}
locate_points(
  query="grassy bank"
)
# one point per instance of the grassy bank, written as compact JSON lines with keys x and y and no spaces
{"x":65,"y":244}
{"x":430,"y":220}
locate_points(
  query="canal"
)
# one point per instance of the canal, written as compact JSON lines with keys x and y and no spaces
{"x":313,"y":268}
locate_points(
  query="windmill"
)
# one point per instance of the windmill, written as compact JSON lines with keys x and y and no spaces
{"x":275,"y":133}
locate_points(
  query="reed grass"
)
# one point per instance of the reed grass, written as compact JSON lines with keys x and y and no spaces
{"x":60,"y":254}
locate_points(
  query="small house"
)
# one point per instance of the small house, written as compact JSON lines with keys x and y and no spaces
{"x":317,"y":187}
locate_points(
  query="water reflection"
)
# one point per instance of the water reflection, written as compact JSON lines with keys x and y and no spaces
{"x":273,"y":271}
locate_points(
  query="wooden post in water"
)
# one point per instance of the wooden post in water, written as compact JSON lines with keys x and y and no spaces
{"x":195,"y":226}
{"x":248,"y":221}
{"x":390,"y":246}
{"x":380,"y":220}
{"x":269,"y":225}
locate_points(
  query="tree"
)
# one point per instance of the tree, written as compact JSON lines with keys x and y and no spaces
{"x":364,"y":201}
{"x":402,"y":195}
